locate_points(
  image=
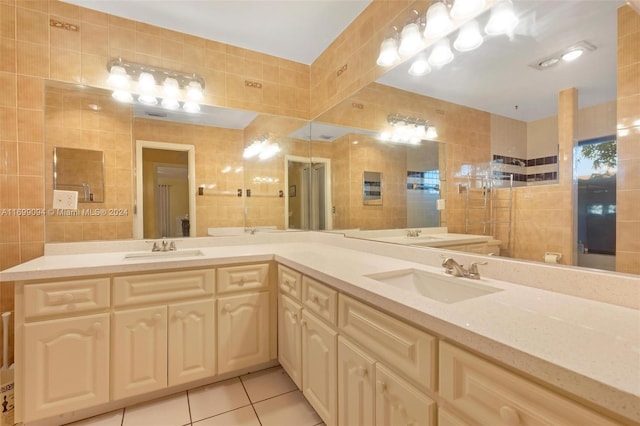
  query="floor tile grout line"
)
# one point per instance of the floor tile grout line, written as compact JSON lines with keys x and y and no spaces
{"x":189,"y":407}
{"x":221,"y":413}
{"x":250,"y":401}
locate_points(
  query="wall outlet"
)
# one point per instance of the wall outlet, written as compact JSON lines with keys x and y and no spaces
{"x":66,"y":200}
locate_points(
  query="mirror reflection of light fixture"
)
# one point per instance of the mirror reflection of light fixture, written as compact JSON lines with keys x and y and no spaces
{"x":121,"y":73}
{"x":463,"y":9}
{"x":441,"y":53}
{"x":469,"y":37}
{"x":420,"y":66}
{"x":262,"y":147}
{"x":409,"y":130}
{"x":502,"y":20}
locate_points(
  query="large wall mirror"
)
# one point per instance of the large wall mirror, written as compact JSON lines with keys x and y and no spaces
{"x":232,"y":190}
{"x":496,"y":111}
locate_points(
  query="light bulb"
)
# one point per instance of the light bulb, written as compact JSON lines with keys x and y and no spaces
{"x":170,"y":88}
{"x":122,"y":95}
{"x":388,"y":52}
{"x":194,"y":91}
{"x":469,"y":37}
{"x":269,"y":151}
{"x":572,"y":55}
{"x":410,"y":39}
{"x":118,"y":78}
{"x":170,"y":103}
{"x":191,"y":106}
{"x":438,"y":21}
{"x":503,"y":19}
{"x":431,"y":133}
{"x":253,"y":150}
{"x":441,"y":53}
{"x":146,"y":86}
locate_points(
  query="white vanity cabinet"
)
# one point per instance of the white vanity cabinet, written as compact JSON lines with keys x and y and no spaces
{"x":492,"y":395}
{"x":64,"y":342}
{"x":308,"y":339}
{"x":245,"y":332}
{"x":156,"y":343}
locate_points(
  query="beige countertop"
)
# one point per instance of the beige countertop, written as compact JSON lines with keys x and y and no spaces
{"x":588,"y":348}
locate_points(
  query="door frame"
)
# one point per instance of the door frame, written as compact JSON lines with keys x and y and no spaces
{"x":138,"y":222}
{"x":327,"y":184}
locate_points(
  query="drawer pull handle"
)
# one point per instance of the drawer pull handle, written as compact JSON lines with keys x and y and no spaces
{"x":226,"y":308}
{"x":509,"y":415}
{"x":382,"y":387}
{"x":294,"y":317}
{"x":67,"y":298}
{"x":157,"y":317}
{"x":303,"y":323}
{"x":179,"y":315}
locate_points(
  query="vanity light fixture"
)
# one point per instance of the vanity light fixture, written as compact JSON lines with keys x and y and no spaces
{"x":389,"y":49}
{"x":438,"y":22}
{"x":154,"y":82}
{"x":409,"y":130}
{"x":410,"y":37}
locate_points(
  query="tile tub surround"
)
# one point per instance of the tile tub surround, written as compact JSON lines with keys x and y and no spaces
{"x":576,"y":344}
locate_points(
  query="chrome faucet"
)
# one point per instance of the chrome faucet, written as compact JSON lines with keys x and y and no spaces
{"x":164,"y":245}
{"x":413,"y":232}
{"x":452,"y":267}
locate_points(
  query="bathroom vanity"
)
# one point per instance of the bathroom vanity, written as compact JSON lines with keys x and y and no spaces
{"x":338,"y":315}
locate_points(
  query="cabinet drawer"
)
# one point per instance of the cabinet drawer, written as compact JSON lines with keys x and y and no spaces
{"x":290,"y":282}
{"x":166,"y":286}
{"x":245,"y":277}
{"x":66,"y":296}
{"x":410,"y":351}
{"x":320,"y":299}
{"x":491,"y":395}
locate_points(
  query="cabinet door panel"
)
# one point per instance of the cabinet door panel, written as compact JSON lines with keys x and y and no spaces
{"x":290,"y":338}
{"x":68,"y":363}
{"x":139,"y":361}
{"x":319,"y":367}
{"x":243,"y":331}
{"x":398,"y":403}
{"x":192,"y":349}
{"x":356,"y":385}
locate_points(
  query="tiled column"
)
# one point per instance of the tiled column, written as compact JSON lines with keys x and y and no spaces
{"x":628,"y":177}
{"x":567,"y":131}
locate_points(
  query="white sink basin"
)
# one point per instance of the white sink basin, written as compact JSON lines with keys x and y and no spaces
{"x":440,"y":287}
{"x":163,"y":254}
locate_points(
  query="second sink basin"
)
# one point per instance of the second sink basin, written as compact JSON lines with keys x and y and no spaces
{"x":162,"y":254}
{"x":440,"y":287}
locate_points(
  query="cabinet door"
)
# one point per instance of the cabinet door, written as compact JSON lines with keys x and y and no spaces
{"x":290,"y":338}
{"x":192,"y":349}
{"x":243,"y":331}
{"x":68,"y":363}
{"x":356,"y":385}
{"x":139,"y":361}
{"x":398,"y":403}
{"x":319,"y":367}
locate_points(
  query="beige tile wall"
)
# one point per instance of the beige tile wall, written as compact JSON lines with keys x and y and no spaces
{"x":628,"y":111}
{"x":70,"y":123}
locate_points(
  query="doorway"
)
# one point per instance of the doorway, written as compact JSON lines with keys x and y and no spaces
{"x":308,"y":198}
{"x":165,"y":190}
{"x":595,"y":166}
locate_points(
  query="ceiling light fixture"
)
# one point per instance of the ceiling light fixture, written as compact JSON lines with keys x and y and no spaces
{"x":121,"y":73}
{"x":568,"y":54}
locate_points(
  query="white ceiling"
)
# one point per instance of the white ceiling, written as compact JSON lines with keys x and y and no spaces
{"x":495,"y":77}
{"x":298,"y":30}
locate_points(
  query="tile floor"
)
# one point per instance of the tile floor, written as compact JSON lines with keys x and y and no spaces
{"x":263,"y":398}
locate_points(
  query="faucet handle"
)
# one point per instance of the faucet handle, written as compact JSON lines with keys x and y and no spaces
{"x":172,"y":246}
{"x":473,"y":269}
